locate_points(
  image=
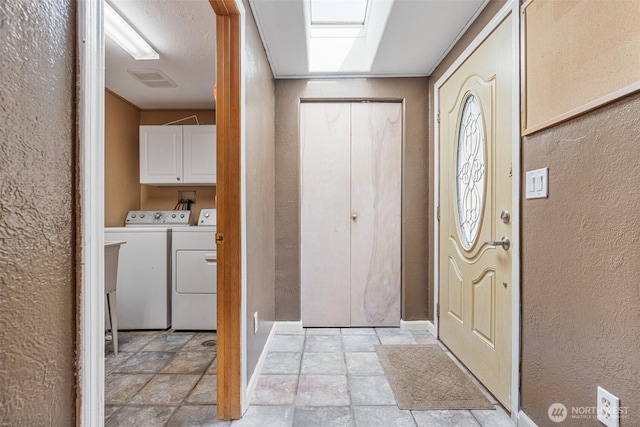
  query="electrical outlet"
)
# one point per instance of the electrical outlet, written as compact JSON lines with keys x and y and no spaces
{"x":608,"y":408}
{"x":255,"y":322}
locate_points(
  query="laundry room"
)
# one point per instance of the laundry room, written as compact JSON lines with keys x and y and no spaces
{"x":160,"y":208}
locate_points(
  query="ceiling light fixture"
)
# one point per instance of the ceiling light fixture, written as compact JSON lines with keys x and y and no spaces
{"x":123,"y":34}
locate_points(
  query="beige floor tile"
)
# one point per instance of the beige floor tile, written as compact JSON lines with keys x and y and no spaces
{"x":188,"y":362}
{"x":120,"y":388}
{"x":165,"y":389}
{"x":202,"y":341}
{"x":213,"y":368}
{"x":275,"y":390}
{"x":141,"y":416}
{"x":169,"y":342}
{"x":145,"y":362}
{"x":204,"y":392}
{"x":196,"y":416}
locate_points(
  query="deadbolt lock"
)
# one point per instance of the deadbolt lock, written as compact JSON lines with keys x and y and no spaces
{"x":505,"y":216}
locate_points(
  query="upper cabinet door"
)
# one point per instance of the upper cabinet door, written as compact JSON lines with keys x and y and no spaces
{"x":199,"y":154}
{"x":161,"y":155}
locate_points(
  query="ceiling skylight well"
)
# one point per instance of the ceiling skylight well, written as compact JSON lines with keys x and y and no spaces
{"x":338,"y":12}
{"x":343,"y":36}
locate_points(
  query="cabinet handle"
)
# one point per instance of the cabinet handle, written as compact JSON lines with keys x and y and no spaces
{"x":178,"y":178}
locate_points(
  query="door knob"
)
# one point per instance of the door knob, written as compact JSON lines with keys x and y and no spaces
{"x":354,"y":216}
{"x":505,"y":243}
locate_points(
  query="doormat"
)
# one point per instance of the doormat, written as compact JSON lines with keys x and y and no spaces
{"x":423,"y":377}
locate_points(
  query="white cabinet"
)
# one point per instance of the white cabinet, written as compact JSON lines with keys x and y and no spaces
{"x":178,"y":155}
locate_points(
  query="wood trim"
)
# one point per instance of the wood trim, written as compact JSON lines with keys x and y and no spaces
{"x":583,"y":109}
{"x":224,"y":7}
{"x":228,"y":209}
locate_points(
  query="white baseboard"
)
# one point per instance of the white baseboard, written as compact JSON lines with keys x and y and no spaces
{"x":525,"y":421}
{"x":295,"y":326}
{"x":251,"y":386}
{"x":418,"y":325}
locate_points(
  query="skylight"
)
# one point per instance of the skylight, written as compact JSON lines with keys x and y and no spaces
{"x":338,"y":12}
{"x":343,"y":35}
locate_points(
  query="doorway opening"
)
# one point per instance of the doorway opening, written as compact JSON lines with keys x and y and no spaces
{"x":91,"y":128}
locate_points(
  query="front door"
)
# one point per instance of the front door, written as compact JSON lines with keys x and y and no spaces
{"x":475,"y":140}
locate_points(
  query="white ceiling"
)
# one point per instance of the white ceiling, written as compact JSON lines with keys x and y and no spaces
{"x":417,"y":35}
{"x":183,"y":33}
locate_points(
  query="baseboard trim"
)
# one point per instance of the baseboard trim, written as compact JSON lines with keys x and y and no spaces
{"x":525,"y":421}
{"x":418,"y":325}
{"x":251,"y":386}
{"x":294,"y":326}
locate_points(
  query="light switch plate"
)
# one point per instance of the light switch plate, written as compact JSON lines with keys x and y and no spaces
{"x":537,"y":184}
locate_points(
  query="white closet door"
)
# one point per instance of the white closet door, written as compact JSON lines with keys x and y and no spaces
{"x":376,"y":164}
{"x":325,"y":201}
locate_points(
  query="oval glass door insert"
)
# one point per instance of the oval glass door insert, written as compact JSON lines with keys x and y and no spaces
{"x":470,"y":170}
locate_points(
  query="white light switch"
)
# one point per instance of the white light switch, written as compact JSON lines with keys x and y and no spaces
{"x":536,"y":185}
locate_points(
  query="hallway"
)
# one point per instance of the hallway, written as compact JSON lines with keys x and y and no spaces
{"x":315,"y":377}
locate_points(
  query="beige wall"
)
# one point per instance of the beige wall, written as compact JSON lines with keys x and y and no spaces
{"x":415,"y":237}
{"x":38,"y":317}
{"x":160,"y":117}
{"x":580,"y":264}
{"x":121,"y":159}
{"x":260,"y":186}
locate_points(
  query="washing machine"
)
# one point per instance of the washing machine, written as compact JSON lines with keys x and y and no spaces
{"x":194,"y":264}
{"x":143,"y":290}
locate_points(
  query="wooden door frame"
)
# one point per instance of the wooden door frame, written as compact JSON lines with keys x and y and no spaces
{"x":228,"y":191}
{"x":511,"y":7}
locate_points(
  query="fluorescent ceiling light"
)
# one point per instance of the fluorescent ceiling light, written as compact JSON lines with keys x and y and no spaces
{"x":338,"y":12}
{"x":123,"y":34}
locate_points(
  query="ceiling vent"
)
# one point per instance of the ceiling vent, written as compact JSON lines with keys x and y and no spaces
{"x":152,"y":78}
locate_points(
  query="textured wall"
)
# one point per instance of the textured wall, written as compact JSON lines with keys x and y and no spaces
{"x":415,"y":237}
{"x":37,"y":219}
{"x":121,"y":160}
{"x":260,"y":187}
{"x":580,"y":268}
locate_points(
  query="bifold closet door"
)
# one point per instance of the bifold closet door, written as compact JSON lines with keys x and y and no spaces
{"x":376,"y":166}
{"x":325,"y":201}
{"x":350,"y":166}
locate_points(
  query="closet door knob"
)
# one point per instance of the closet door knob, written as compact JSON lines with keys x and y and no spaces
{"x":354,"y":216}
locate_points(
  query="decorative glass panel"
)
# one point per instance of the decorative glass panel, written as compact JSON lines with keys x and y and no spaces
{"x":470,"y":170}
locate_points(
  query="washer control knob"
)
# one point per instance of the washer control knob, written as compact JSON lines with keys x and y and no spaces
{"x":173,"y":215}
{"x":141,"y":215}
{"x":157,"y":215}
{"x":181,"y":215}
{"x":133,"y":215}
{"x":207,"y":214}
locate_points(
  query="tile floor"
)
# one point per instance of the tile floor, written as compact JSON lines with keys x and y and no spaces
{"x":316,"y":377}
{"x":161,"y":378}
